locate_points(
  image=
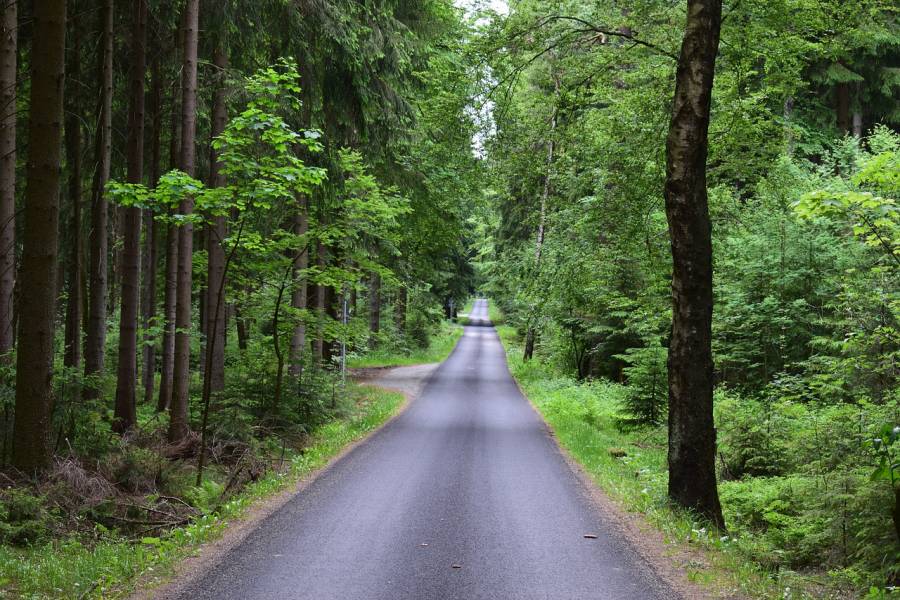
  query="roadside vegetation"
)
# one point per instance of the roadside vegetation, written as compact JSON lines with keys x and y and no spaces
{"x":78,"y":535}
{"x":774,"y":339}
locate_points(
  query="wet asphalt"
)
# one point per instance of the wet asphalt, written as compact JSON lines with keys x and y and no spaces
{"x":463,"y":496}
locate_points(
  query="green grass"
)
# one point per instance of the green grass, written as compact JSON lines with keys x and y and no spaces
{"x":631,"y":469}
{"x":110,"y":566}
{"x":439,"y":349}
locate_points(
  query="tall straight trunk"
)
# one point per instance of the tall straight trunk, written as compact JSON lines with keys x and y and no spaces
{"x":125,"y":416}
{"x":319,"y":341}
{"x":692,"y":433}
{"x":151,"y":228}
{"x":400,"y":310}
{"x":299,"y":294}
{"x":168,"y":342}
{"x":842,"y":94}
{"x":72,"y":356}
{"x":374,"y":305}
{"x":178,"y":409}
{"x":95,"y":344}
{"x":171,"y":278}
{"x":531,"y":333}
{"x":34,"y":361}
{"x":215,"y":281}
{"x":8,"y":48}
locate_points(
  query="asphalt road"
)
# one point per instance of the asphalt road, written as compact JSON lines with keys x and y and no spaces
{"x":463,"y":496}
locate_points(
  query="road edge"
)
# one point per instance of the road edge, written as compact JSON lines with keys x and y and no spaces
{"x":211,"y":553}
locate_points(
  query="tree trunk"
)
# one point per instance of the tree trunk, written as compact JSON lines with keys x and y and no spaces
{"x":374,"y":306}
{"x":857,"y":125}
{"x":692,"y":433}
{"x":72,"y":355}
{"x":531,"y":333}
{"x":125,"y":416}
{"x":842,"y":93}
{"x":95,"y":343}
{"x":178,"y":421}
{"x":319,"y":342}
{"x":151,"y":229}
{"x":8,"y":49}
{"x":400,"y":310}
{"x":215,"y":289}
{"x":299,"y":294}
{"x":34,"y":362}
{"x":168,"y":343}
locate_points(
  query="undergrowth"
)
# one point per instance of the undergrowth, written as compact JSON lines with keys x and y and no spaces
{"x":774,"y":544}
{"x":96,"y":560}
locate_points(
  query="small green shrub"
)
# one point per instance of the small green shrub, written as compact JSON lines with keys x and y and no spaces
{"x":24,"y":519}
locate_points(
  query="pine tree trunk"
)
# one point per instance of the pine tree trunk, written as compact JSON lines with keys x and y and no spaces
{"x":319,"y":342}
{"x":842,"y":93}
{"x":95,"y":343}
{"x":299,"y":295}
{"x":72,"y":355}
{"x":400,"y":310}
{"x":171,"y":276}
{"x":692,"y":433}
{"x":178,"y":410}
{"x":168,"y":343}
{"x":8,"y":48}
{"x":34,"y":363}
{"x":125,"y":416}
{"x":151,"y":228}
{"x":374,"y":306}
{"x":215,"y":290}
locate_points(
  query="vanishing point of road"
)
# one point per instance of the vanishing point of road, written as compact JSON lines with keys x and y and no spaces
{"x":463,"y":496}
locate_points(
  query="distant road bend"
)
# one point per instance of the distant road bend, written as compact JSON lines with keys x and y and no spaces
{"x":463,"y":496}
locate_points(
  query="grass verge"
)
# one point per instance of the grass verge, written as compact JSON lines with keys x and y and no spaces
{"x":109,"y":567}
{"x":631,"y":468}
{"x":439,"y":348}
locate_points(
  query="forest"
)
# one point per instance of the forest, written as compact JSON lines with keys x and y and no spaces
{"x":220,"y":220}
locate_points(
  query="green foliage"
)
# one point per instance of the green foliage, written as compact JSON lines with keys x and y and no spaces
{"x":24,"y":520}
{"x":647,"y":399}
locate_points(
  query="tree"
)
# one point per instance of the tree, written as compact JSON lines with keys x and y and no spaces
{"x":215,"y":238}
{"x":95,"y":343}
{"x":75,"y":299}
{"x":181,"y":376}
{"x":125,"y":416}
{"x":34,"y":365}
{"x":8,"y":47}
{"x":692,"y":433}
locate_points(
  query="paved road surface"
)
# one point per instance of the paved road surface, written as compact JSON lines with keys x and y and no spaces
{"x":466,"y":477}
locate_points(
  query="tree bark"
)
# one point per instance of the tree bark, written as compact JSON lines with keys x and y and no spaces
{"x":531,"y":333}
{"x":178,"y":410}
{"x":151,"y":228}
{"x":400,"y":310}
{"x":215,"y":289}
{"x":34,"y":365}
{"x":168,"y":342}
{"x":299,"y":294}
{"x":319,"y":341}
{"x":95,"y":343}
{"x":842,"y":93}
{"x":692,"y":434}
{"x":74,"y":308}
{"x":374,"y":306}
{"x":171,"y":275}
{"x":125,"y":416}
{"x":8,"y":49}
